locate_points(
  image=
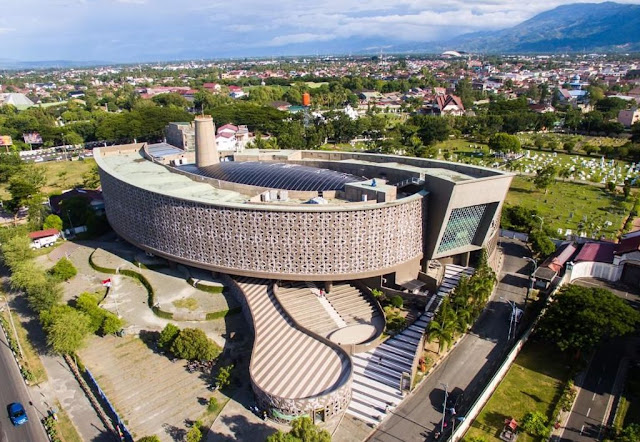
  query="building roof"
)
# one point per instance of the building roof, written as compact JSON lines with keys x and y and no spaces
{"x":554,"y":263}
{"x":56,"y":200}
{"x":227,"y":127}
{"x":445,"y":100}
{"x":628,"y":245}
{"x":596,"y":252}
{"x":43,"y":233}
{"x":16,"y":99}
{"x":278,"y":175}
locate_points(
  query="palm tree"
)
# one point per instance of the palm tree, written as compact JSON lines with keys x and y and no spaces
{"x":443,"y":331}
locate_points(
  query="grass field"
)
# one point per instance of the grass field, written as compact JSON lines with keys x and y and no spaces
{"x":533,"y":383}
{"x":579,"y":207}
{"x":60,"y":175}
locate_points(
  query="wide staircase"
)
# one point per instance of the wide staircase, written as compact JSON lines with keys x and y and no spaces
{"x":377,"y":373}
{"x":307,"y":308}
{"x":352,"y":305}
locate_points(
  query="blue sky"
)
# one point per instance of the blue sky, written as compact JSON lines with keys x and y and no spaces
{"x":139,"y":30}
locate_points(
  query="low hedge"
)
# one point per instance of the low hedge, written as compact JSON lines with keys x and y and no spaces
{"x":205,"y":287}
{"x":151,"y":298}
{"x":223,"y":313}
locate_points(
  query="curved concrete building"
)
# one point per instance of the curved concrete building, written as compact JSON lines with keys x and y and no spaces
{"x":304,"y":217}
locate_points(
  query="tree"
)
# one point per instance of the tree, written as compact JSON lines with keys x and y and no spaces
{"x":626,"y":189}
{"x":611,"y":186}
{"x":193,"y":344}
{"x":223,"y":379}
{"x":545,"y":176}
{"x":91,"y":179}
{"x":63,"y":270}
{"x":432,"y":129}
{"x":541,"y":244}
{"x":302,"y":430}
{"x":194,"y":434}
{"x":52,"y":222}
{"x":170,"y":99}
{"x":442,"y":329}
{"x":569,"y":145}
{"x":505,"y":143}
{"x":25,"y":185}
{"x":579,"y":318}
{"x":167,"y":336}
{"x":535,"y":423}
{"x":66,"y":328}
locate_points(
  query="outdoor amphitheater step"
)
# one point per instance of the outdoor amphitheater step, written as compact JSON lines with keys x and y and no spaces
{"x":364,"y":413}
{"x":384,"y":353}
{"x":401,"y":344}
{"x":376,"y":390}
{"x":380,"y":362}
{"x":374,"y":403}
{"x":399,"y":351}
{"x":405,"y":338}
{"x":380,"y":377}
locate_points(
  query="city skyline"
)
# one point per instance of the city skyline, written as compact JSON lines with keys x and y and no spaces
{"x":148,"y":30}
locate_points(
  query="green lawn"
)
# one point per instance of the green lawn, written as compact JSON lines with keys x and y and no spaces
{"x":533,"y":383}
{"x":578,"y":207}
{"x":60,"y":175}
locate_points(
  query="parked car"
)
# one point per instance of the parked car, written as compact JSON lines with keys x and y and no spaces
{"x":17,"y":414}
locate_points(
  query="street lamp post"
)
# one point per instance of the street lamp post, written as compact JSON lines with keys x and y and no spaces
{"x":444,"y":407}
{"x":531,"y":278}
{"x":513,"y":320}
{"x":541,"y":220}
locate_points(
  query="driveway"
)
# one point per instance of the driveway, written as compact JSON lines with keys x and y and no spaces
{"x":470,"y":364}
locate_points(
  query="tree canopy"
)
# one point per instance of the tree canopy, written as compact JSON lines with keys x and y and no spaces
{"x":302,"y":430}
{"x":505,"y":143}
{"x":66,"y":327}
{"x":193,"y":344}
{"x":579,"y":318}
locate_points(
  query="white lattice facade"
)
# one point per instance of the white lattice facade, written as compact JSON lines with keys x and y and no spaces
{"x":326,"y":244}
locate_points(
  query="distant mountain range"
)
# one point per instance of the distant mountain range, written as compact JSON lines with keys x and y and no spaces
{"x":578,"y":27}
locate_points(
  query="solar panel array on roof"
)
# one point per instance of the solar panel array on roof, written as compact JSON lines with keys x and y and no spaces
{"x":278,"y":175}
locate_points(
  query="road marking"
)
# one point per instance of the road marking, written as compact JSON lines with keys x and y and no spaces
{"x":581,"y":430}
{"x":594,"y":397}
{"x":588,"y":411}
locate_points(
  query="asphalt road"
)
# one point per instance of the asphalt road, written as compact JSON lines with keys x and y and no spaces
{"x":591,"y":409}
{"x":13,"y":389}
{"x":470,"y":365}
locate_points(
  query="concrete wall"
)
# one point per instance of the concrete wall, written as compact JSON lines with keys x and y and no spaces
{"x":600,"y":270}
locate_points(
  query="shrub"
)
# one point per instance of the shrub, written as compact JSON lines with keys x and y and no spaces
{"x":193,"y":344}
{"x":167,"y":336}
{"x":101,"y":321}
{"x":213,"y":405}
{"x":194,"y":434}
{"x":149,"y":439}
{"x":397,"y":301}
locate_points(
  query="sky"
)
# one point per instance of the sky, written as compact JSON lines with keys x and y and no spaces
{"x":150,"y":30}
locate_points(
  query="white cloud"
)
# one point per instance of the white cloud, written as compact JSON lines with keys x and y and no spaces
{"x":85,"y":28}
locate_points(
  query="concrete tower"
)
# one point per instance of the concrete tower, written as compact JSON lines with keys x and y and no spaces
{"x":206,"y":149}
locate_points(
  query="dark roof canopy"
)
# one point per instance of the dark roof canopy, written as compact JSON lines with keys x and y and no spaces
{"x":278,"y":175}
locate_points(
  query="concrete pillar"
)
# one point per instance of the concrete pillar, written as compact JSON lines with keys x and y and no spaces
{"x":206,"y":149}
{"x":328,"y":285}
{"x":464,"y":259}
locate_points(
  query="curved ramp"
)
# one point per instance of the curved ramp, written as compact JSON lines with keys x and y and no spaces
{"x":292,"y":371}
